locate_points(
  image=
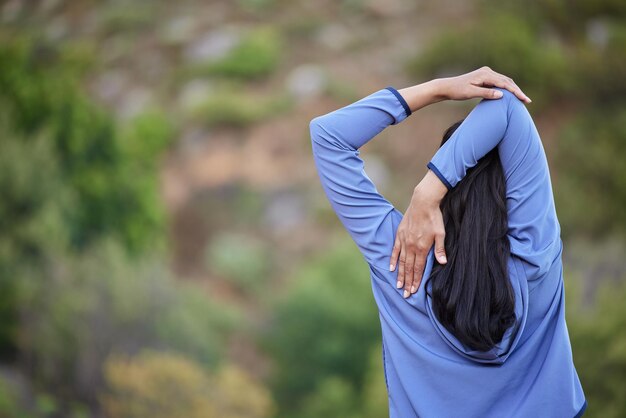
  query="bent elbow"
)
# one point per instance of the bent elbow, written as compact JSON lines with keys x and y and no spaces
{"x":317,"y":131}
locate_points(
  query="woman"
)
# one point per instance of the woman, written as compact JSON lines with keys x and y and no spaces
{"x":484,"y":333}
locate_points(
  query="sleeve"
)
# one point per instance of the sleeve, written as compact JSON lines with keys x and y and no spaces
{"x":336,"y":138}
{"x":534,"y":231}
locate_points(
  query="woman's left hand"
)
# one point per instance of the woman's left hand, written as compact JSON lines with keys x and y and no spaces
{"x":422,"y":224}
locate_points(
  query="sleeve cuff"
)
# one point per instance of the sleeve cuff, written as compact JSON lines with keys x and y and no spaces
{"x":405,"y":105}
{"x":438,"y":173}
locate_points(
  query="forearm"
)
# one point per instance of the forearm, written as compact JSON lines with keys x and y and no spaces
{"x":352,"y":126}
{"x":424,"y":94}
{"x":430,"y":189}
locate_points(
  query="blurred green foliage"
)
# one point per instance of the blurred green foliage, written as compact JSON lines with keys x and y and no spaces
{"x":598,"y":336}
{"x":590,"y":153}
{"x":237,"y":108}
{"x":243,"y":259}
{"x":256,"y":55}
{"x":30,"y":218}
{"x":101,"y":303}
{"x":9,"y":402}
{"x":68,"y":176}
{"x":158,"y":384}
{"x":335,"y":396}
{"x":323,"y":327}
{"x":110,"y":175}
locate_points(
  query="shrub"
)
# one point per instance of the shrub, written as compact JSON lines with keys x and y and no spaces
{"x":235,"y":108}
{"x":590,"y":190}
{"x":101,"y":303}
{"x":333,"y":397}
{"x":242,"y":259}
{"x":157,"y":384}
{"x":598,"y":337}
{"x":324,"y":326}
{"x":256,"y":56}
{"x":114,"y":189}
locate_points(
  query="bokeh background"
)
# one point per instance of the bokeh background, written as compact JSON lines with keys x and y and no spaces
{"x":165,"y":247}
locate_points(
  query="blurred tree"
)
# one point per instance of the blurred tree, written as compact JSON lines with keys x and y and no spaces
{"x":104,"y":302}
{"x":31,"y":218}
{"x":111,"y":174}
{"x":333,"y":397}
{"x":598,"y":337}
{"x":324,"y":326}
{"x":68,"y":177}
{"x":593,"y":177}
{"x":374,"y":398}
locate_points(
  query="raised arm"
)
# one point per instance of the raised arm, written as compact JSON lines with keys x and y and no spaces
{"x":337,"y":136}
{"x":534,"y":230}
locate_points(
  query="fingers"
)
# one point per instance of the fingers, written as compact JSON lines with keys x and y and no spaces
{"x":409,"y":268}
{"x":440,"y":249}
{"x":395,"y":253}
{"x":420,"y":263}
{"x":493,"y":78}
{"x":401,"y":266}
{"x":488,"y":93}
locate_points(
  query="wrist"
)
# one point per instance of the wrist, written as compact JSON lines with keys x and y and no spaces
{"x":438,"y":89}
{"x":423,"y":94}
{"x":430,"y":190}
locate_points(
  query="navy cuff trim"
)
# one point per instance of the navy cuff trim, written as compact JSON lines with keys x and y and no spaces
{"x":403,"y":102}
{"x":438,"y":173}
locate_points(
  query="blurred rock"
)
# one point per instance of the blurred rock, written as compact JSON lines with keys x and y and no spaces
{"x":11,"y":10}
{"x":194,"y":93}
{"x":56,"y":29}
{"x":388,"y":8}
{"x":598,"y":32}
{"x":152,"y":65}
{"x":115,"y":49}
{"x":134,"y":102}
{"x":178,"y":30}
{"x":306,"y":81}
{"x":192,"y":141}
{"x":49,"y":6}
{"x":110,"y":85}
{"x":334,"y":36}
{"x":213,"y":45}
{"x":285,"y":211}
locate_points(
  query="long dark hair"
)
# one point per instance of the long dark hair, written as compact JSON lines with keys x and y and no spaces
{"x":472,"y":295}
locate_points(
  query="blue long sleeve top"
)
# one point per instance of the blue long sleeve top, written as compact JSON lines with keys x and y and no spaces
{"x":428,"y":372}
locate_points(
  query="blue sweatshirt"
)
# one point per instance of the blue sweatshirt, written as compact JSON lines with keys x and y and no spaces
{"x":429,"y":372}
